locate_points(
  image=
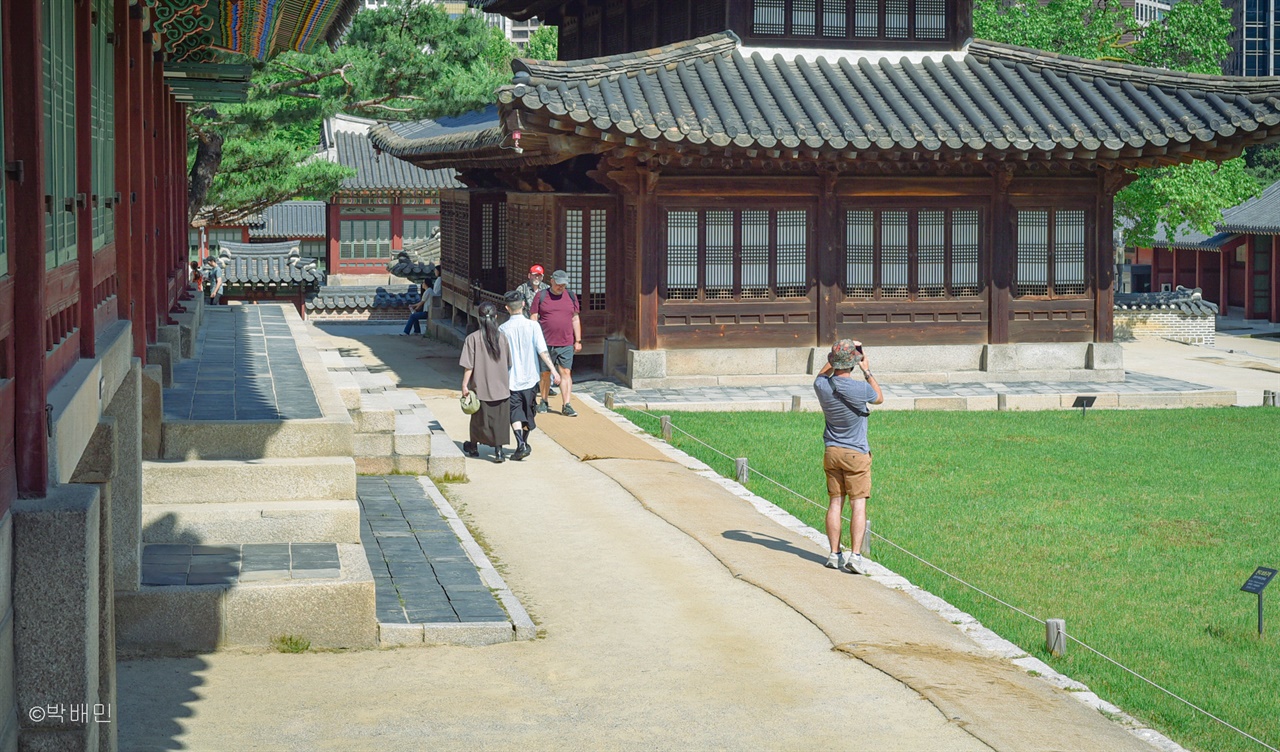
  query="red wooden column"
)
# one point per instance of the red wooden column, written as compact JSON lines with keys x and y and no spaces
{"x":136,"y":196}
{"x":1224,"y":279}
{"x":1200,"y":270}
{"x":123,"y":163}
{"x":827,"y":263}
{"x":1000,"y":278}
{"x":1248,"y":276}
{"x":1275,"y":279}
{"x":84,"y":173}
{"x":649,"y":247}
{"x":397,"y":227}
{"x":24,"y":108}
{"x":331,"y":211}
{"x":148,"y":192}
{"x":1109,"y":182}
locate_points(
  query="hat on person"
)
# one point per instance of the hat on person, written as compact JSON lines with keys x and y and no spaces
{"x":844,"y":355}
{"x":537,"y":269}
{"x":560,"y":277}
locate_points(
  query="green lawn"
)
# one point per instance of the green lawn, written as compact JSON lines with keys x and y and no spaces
{"x":1137,"y":527}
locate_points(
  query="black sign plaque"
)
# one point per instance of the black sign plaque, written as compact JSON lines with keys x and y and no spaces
{"x":1084,"y":403}
{"x":1259,"y":580}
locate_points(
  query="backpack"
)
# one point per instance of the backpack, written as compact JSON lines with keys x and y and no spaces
{"x":538,"y":297}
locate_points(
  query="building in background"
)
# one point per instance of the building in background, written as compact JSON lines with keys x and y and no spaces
{"x":517,"y":32}
{"x":1255,"y":34}
{"x":1148,"y":11}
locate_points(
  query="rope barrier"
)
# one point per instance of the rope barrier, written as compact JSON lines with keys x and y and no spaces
{"x":975,"y":588}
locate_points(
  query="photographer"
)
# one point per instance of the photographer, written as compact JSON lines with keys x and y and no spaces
{"x":847,"y":459}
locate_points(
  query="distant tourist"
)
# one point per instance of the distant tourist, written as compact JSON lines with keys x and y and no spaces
{"x":197,"y":276}
{"x":528,"y":346}
{"x":214,"y":280}
{"x":486,"y":363}
{"x":531,"y":288}
{"x":418,"y":311}
{"x":847,"y":458}
{"x":556,"y":311}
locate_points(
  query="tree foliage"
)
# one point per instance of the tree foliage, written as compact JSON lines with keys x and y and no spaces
{"x":543,"y":44}
{"x":1192,"y":37}
{"x":407,"y":60}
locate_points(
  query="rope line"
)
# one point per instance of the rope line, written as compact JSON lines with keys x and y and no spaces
{"x":975,"y":588}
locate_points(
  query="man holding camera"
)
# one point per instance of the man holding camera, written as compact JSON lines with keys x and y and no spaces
{"x":847,"y":459}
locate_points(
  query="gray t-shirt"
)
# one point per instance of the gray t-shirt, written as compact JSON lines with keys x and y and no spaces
{"x":845,"y":428}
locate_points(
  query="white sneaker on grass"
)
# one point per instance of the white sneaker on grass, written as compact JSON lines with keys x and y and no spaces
{"x":833,"y":561}
{"x":855,"y":564}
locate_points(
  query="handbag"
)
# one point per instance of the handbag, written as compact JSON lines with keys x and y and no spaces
{"x":470,"y":403}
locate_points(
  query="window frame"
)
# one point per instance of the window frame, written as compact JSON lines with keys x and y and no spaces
{"x":1051,"y":250}
{"x":701,"y":208}
{"x":57,"y":46}
{"x":913,"y":268}
{"x":820,"y":11}
{"x":347,"y":245}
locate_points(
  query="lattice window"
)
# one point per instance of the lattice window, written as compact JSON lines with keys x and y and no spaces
{"x":455,"y":234}
{"x":895,"y":254}
{"x":770,"y":18}
{"x":673,"y":22}
{"x":215,"y":237}
{"x":965,"y":233}
{"x":364,"y":239}
{"x":682,"y":255}
{"x":1033,"y":252}
{"x":860,"y":246}
{"x":834,"y":18}
{"x":1068,"y":252}
{"x":597,"y":261}
{"x":804,"y":18}
{"x":103,"y":138}
{"x":931,"y":19}
{"x":502,"y":236}
{"x":896,"y":18}
{"x":573,"y":247}
{"x":793,"y":254}
{"x":487,"y":250}
{"x":908,"y":253}
{"x":749,"y":254}
{"x":58,"y":47}
{"x":419,"y":229}
{"x":866,"y":19}
{"x":708,"y":17}
{"x":755,"y":254}
{"x":719,"y":256}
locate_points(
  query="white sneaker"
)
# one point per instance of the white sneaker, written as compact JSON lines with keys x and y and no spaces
{"x":833,"y":561}
{"x":855,"y":564}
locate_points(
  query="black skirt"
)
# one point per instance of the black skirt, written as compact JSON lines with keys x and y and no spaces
{"x":491,"y":424}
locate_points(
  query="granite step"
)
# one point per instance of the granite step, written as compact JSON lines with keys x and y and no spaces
{"x":269,"y":479}
{"x":327,"y":521}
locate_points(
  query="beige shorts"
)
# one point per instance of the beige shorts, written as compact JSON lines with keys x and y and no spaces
{"x":848,"y":473}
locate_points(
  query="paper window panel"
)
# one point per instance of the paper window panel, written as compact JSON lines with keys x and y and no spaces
{"x":895,"y":254}
{"x":793,"y":252}
{"x":1033,"y":253}
{"x":755,"y":254}
{"x":682,"y":255}
{"x":859,"y":258}
{"x":597,"y":261}
{"x":1068,"y":252}
{"x":965,"y":232}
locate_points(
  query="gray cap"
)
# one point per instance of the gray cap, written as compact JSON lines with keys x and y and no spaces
{"x":560,"y":277}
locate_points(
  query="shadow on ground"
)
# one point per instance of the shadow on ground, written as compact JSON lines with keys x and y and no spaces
{"x":774,"y":543}
{"x":146,"y":696}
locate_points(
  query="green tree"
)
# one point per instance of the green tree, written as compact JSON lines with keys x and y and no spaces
{"x":1192,"y":37}
{"x":543,"y":44}
{"x":403,"y":61}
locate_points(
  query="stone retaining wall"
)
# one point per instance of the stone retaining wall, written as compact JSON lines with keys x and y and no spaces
{"x":1193,"y":329}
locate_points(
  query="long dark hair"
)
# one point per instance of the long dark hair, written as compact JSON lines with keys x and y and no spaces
{"x":489,"y":326}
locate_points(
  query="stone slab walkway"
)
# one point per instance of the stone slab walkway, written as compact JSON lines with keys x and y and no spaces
{"x":247,"y":367}
{"x":180,"y":564}
{"x":420,"y":571}
{"x":1134,"y":383}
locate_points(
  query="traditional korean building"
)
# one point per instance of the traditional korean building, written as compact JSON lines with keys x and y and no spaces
{"x":93,"y":253}
{"x":1236,"y":267}
{"x":766,"y":176}
{"x":270,"y":273}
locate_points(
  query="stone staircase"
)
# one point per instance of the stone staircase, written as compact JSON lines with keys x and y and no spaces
{"x":239,"y":499}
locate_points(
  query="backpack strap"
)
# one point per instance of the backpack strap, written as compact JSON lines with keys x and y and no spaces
{"x":841,"y":397}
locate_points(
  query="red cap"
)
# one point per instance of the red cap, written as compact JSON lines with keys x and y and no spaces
{"x":537,"y":269}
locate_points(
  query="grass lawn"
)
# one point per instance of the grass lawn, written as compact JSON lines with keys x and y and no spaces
{"x":1137,"y":527}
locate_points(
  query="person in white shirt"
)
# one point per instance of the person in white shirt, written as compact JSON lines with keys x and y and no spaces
{"x":527,"y":345}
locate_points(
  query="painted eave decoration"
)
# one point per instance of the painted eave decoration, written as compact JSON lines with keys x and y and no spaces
{"x":204,"y":31}
{"x":707,"y":99}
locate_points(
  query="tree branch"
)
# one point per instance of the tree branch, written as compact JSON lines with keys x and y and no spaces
{"x":311,"y":79}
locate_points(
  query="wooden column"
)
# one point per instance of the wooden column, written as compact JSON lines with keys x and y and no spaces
{"x":84,"y":173}
{"x":25,"y":190}
{"x":1248,"y":276}
{"x":1002,"y":255}
{"x":123,"y":163}
{"x":1109,"y":183}
{"x":397,"y":227}
{"x":139,"y":309}
{"x":828,"y":264}
{"x":1200,"y":271}
{"x":149,"y":213}
{"x":331,"y":210}
{"x":650,"y":247}
{"x":1275,"y":279}
{"x":1224,"y":280}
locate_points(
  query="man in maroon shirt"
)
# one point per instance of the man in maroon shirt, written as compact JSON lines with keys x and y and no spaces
{"x":556,"y":311}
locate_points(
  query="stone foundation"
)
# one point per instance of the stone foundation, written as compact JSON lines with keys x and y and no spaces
{"x":1192,"y":329}
{"x":770,"y":366}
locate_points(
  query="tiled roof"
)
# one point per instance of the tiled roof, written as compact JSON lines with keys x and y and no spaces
{"x":290,"y":219}
{"x":1259,"y":215}
{"x":345,"y":297}
{"x":471,"y":131}
{"x":268,"y":264}
{"x":418,"y":260}
{"x":706,"y":92}
{"x":1188,"y":239}
{"x":380,"y":172}
{"x":1182,"y":299}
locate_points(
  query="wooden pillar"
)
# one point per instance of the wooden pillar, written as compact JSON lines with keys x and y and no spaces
{"x":1003,"y":254}
{"x":1275,"y":279}
{"x":84,"y":172}
{"x":828,"y":246}
{"x":1200,"y":271}
{"x":25,"y":189}
{"x":123,"y":163}
{"x":1248,"y":276}
{"x":1224,"y":279}
{"x":650,"y":250}
{"x":136,"y":197}
{"x":1109,"y":182}
{"x":397,"y":227}
{"x":331,"y":255}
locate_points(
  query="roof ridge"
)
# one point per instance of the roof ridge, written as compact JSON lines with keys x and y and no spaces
{"x":1138,"y":75}
{"x":527,"y":70}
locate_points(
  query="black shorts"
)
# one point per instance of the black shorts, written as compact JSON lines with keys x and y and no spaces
{"x":524,"y":406}
{"x":561,"y":357}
